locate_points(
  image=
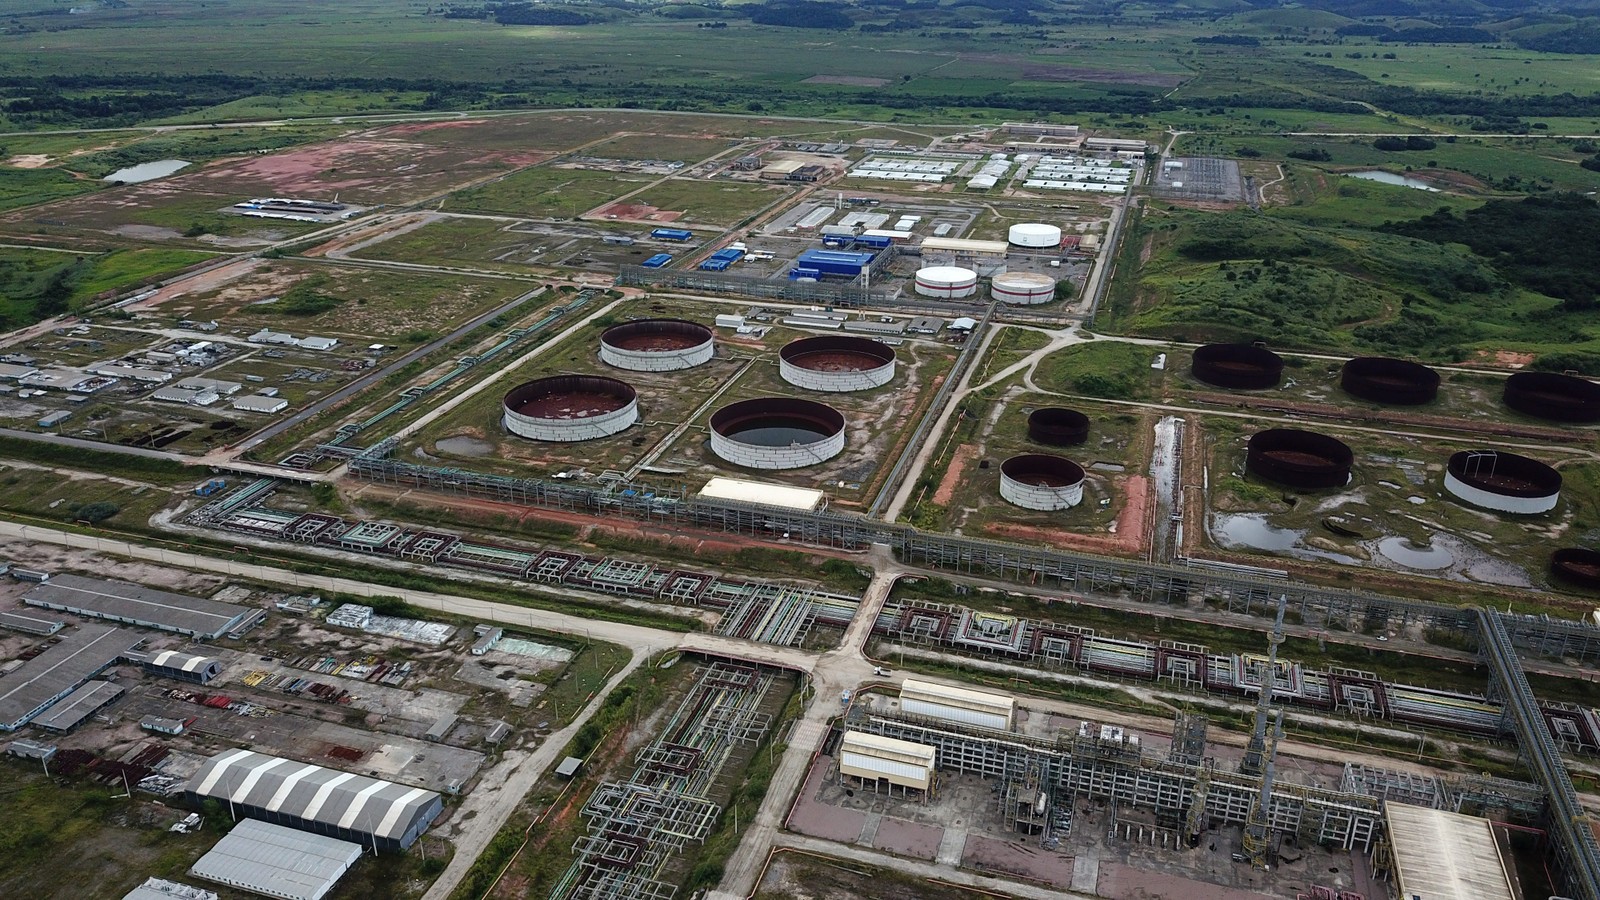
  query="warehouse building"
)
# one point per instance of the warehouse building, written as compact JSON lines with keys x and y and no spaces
{"x":261,"y":403}
{"x":78,"y":706}
{"x":134,"y":604}
{"x":1440,"y":855}
{"x":172,"y":664}
{"x":30,"y":624}
{"x":873,"y":758}
{"x":954,"y":704}
{"x":60,"y":670}
{"x":377,"y":814}
{"x":275,"y":861}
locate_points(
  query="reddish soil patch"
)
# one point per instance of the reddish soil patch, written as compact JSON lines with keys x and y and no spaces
{"x":206,"y":281}
{"x":952,"y":474}
{"x":1130,"y":539}
{"x":1504,"y":359}
{"x":635,"y":212}
{"x":855,"y":80}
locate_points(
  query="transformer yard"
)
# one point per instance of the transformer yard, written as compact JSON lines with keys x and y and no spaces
{"x":720,"y":507}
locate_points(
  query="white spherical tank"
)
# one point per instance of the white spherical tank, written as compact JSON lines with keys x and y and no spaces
{"x":1034,"y":234}
{"x":1023,"y":288}
{"x":947,"y":282}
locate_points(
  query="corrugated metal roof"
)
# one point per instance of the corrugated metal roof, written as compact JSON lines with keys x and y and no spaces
{"x":79,"y":705}
{"x":276,"y":861}
{"x":81,"y":655}
{"x":887,"y":747}
{"x":161,"y":889}
{"x":1443,"y":855}
{"x":998,"y":703}
{"x":305,"y":791}
{"x":136,"y":603}
{"x":758,"y":492}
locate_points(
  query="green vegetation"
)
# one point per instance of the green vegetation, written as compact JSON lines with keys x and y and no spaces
{"x":38,"y":284}
{"x":1321,"y":277}
{"x":1111,"y":371}
{"x":142,"y":468}
{"x":306,"y":298}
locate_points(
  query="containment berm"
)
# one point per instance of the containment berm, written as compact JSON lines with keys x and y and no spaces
{"x":656,"y":345}
{"x":1299,"y":459}
{"x":1058,"y":426}
{"x":1041,"y":482}
{"x":1384,"y":379}
{"x":1562,"y":398}
{"x":570,"y":408}
{"x":1238,"y":366}
{"x":1501,"y":481}
{"x":777,"y":433}
{"x":837,"y":363}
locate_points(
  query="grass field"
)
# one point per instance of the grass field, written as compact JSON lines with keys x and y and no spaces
{"x":545,"y":192}
{"x":29,"y":278}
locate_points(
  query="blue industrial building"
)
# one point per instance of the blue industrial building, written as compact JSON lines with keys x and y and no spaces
{"x":672,"y":234}
{"x":657,"y":261}
{"x":835,"y":262}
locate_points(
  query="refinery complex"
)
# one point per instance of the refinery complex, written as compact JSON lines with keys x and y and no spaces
{"x":720,"y":497}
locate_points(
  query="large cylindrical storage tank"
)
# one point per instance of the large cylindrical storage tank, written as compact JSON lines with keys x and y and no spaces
{"x":837,"y":363}
{"x":1042,"y":482}
{"x":1576,"y":565}
{"x":947,"y":282}
{"x":1548,"y":395}
{"x":1384,"y":379}
{"x":570,"y":408}
{"x":1033,"y":234}
{"x":1058,"y":426}
{"x":1503,"y":482}
{"x":1023,"y":288}
{"x":1238,"y":366}
{"x":1299,"y":459}
{"x":777,"y":433}
{"x":656,"y":345}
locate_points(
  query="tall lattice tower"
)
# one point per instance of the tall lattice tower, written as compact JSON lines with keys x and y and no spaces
{"x":1254,"y":762}
{"x":1258,"y":828}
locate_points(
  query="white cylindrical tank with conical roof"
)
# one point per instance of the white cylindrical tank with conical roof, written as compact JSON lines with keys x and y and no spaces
{"x":1033,"y":234}
{"x":1025,"y":288}
{"x":947,"y":282}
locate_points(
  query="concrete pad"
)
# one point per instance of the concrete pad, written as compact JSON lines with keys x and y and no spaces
{"x":1121,"y":882}
{"x":908,"y":838}
{"x":986,"y":854}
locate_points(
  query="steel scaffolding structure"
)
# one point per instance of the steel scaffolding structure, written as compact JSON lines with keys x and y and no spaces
{"x":1120,"y":775}
{"x":635,"y":827}
{"x":1576,"y":850}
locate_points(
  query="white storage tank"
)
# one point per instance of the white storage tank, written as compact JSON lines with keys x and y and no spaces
{"x":1041,"y":482}
{"x":947,"y":282}
{"x":1023,"y":288}
{"x":1034,"y":235}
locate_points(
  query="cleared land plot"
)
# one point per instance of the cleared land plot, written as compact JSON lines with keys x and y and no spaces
{"x":357,"y":305}
{"x":699,"y":202}
{"x":544,"y":192}
{"x":161,"y":211}
{"x":495,"y":244}
{"x":660,"y":146}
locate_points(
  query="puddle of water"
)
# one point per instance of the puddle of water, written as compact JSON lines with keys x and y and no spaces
{"x":1403,"y":551}
{"x":1416,"y":501}
{"x":149,"y":171}
{"x":464,"y":446}
{"x":1392,"y":178}
{"x":1390,"y":485}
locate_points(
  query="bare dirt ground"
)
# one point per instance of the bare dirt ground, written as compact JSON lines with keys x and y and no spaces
{"x":28,"y":161}
{"x":853,"y":80}
{"x":205,"y":281}
{"x":1130,"y":537}
{"x":633,"y":212}
{"x":1121,"y":882}
{"x":987,"y":854}
{"x":952,"y":474}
